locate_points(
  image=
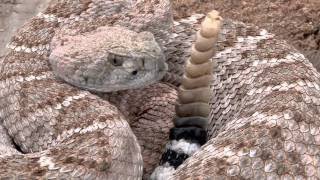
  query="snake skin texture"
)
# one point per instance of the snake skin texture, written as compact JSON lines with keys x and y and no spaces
{"x":192,"y":108}
{"x":264,"y":111}
{"x":54,"y":130}
{"x":264,"y":106}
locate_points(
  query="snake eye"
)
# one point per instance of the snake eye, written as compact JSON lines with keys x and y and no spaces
{"x":115,"y":61}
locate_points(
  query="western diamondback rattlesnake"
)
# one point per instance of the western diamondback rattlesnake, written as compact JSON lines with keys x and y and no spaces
{"x":264,"y":116}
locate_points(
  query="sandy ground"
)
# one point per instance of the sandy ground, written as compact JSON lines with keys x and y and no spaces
{"x":297,"y":21}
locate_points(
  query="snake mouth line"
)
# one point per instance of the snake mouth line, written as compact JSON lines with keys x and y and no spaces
{"x":143,"y":78}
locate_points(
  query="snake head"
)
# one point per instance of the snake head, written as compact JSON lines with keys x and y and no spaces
{"x":107,"y":59}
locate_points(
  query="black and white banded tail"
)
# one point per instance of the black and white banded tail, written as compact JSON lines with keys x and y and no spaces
{"x":192,"y":110}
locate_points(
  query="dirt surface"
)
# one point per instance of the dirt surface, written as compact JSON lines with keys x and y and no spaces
{"x":13,"y":13}
{"x":297,"y":21}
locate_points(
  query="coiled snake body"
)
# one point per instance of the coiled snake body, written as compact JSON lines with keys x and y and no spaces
{"x":264,"y":107}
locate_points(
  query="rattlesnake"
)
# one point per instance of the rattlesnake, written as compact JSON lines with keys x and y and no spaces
{"x":264,"y":106}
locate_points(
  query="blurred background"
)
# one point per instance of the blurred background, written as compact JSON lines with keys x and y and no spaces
{"x":297,"y":21}
{"x":13,"y":13}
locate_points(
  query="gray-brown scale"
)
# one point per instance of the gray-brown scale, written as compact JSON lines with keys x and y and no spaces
{"x":67,"y":132}
{"x":264,"y":119}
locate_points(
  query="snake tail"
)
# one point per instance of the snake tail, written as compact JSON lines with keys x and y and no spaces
{"x":192,"y":109}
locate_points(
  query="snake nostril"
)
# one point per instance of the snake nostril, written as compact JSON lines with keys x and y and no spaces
{"x":135,"y":72}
